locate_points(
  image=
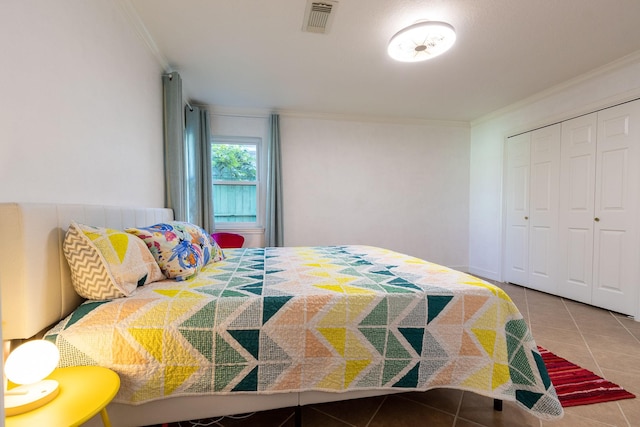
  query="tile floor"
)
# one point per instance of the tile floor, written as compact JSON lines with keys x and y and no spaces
{"x":603,"y":342}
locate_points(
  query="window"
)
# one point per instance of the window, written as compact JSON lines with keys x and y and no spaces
{"x":236,"y":172}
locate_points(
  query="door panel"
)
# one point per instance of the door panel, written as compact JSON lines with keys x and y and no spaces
{"x":576,"y":212}
{"x":616,"y":235}
{"x":612,"y":187}
{"x":543,"y":224}
{"x":519,"y":255}
{"x":517,"y":215}
{"x":541,"y":238}
{"x":580,"y":175}
{"x":577,"y":257}
{"x":610,"y":249}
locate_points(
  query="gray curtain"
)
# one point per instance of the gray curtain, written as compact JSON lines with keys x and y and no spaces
{"x":274,"y":233}
{"x":174,"y":175}
{"x":199,"y":197}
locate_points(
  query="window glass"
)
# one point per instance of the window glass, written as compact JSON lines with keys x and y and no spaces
{"x":235,"y":172}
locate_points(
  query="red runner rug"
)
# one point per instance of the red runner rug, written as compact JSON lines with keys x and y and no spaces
{"x":577,"y":386}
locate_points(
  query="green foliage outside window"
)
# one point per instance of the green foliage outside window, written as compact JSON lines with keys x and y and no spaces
{"x":234,"y":172}
{"x":231,"y":162}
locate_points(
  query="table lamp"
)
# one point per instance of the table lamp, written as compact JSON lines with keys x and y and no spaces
{"x":27,"y":366}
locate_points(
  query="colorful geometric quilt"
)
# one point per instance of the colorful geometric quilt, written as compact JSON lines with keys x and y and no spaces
{"x":312,"y":318}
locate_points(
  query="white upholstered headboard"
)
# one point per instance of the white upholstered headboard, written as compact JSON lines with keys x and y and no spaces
{"x":34,"y":276}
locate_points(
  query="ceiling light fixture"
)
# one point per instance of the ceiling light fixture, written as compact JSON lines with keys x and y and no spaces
{"x":421,"y":41}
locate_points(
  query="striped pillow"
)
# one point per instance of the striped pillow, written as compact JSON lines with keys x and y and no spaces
{"x":106,"y":263}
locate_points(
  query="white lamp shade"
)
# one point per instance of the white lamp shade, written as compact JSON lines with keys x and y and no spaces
{"x":31,"y":362}
{"x":421,"y":41}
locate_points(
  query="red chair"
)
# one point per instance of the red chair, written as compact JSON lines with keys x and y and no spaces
{"x":228,"y":240}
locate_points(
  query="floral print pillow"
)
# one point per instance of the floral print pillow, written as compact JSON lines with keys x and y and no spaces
{"x":181,"y":249}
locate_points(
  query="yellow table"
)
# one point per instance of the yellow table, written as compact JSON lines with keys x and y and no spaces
{"x":84,"y":391}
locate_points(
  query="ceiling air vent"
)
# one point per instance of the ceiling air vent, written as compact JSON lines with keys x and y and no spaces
{"x":319,"y":15}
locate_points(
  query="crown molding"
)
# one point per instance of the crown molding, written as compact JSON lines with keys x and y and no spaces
{"x":262,"y":113}
{"x":131,"y":14}
{"x":218,"y":110}
{"x":377,"y":119}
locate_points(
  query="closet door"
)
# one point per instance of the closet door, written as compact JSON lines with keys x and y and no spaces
{"x":517,"y":206}
{"x":616,"y":242}
{"x":576,"y":221}
{"x":543,"y":208}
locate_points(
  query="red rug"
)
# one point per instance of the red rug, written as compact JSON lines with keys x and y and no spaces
{"x":577,"y":386}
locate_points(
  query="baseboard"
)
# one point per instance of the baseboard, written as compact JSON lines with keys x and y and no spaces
{"x":485,"y":274}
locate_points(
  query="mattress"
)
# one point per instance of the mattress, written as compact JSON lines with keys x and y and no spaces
{"x":337,"y":319}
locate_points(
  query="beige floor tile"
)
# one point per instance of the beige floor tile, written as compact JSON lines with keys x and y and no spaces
{"x":520,"y":302}
{"x":555,"y":321}
{"x":596,"y":320}
{"x":610,"y":327}
{"x":630,"y":325}
{"x":615,"y":342}
{"x":628,"y":321}
{"x":514,"y":291}
{"x":543,"y":299}
{"x":605,"y":413}
{"x":547,"y":306}
{"x":464,"y":423}
{"x":540,"y":297}
{"x":578,"y":308}
{"x":574,"y":420}
{"x":584,"y":310}
{"x":552,"y":314}
{"x":631,"y":410}
{"x":636,"y":334}
{"x":630,"y":382}
{"x":543,"y":333}
{"x":399,"y":412}
{"x":446,"y":400}
{"x":356,"y":412}
{"x":479,"y":409}
{"x":610,"y":360}
{"x":275,"y":417}
{"x":313,"y":418}
{"x":627,"y":380}
{"x":612,"y":331}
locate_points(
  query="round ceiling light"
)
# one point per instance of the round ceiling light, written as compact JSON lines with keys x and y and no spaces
{"x":421,"y":41}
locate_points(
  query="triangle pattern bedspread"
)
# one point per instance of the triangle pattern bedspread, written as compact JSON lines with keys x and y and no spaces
{"x":312,"y":318}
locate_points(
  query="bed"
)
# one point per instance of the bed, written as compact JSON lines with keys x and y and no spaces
{"x":267,"y":327}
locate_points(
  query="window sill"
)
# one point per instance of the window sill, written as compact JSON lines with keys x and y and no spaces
{"x":240,"y":229}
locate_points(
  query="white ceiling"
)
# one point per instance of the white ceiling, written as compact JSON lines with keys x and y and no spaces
{"x":253,"y":54}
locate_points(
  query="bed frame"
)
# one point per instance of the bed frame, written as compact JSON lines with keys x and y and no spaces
{"x":36,"y":288}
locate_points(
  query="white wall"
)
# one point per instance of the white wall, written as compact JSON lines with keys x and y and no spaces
{"x":400,"y":186}
{"x":81,"y":106}
{"x":618,"y":82}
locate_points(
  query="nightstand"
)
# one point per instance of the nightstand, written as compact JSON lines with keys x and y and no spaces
{"x":84,"y":391}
